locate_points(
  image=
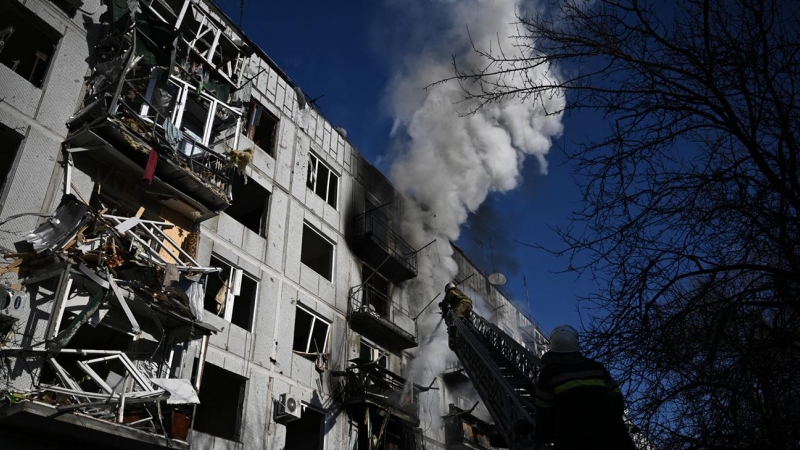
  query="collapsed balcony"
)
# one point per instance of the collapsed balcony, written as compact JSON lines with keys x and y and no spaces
{"x":166,"y":100}
{"x":123,"y":302}
{"x":369,"y":386}
{"x":379,"y":246}
{"x":374,"y":315}
{"x":463,"y":431}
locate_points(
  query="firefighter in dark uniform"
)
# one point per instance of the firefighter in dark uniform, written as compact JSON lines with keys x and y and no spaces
{"x":578,"y":405}
{"x":461,"y":305}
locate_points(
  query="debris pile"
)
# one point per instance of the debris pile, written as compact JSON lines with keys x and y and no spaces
{"x":127,"y":300}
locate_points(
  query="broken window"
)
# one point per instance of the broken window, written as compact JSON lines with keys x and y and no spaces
{"x":262,"y":128}
{"x":306,"y":432}
{"x":317,"y":252}
{"x":27,"y":43}
{"x":250,"y":205}
{"x":368,"y":352}
{"x":376,"y":292}
{"x":322,"y":180}
{"x":310,"y":332}
{"x":231,"y":294}
{"x":221,"y":399}
{"x":10,"y":142}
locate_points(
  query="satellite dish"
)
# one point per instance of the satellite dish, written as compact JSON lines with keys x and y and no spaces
{"x":497,"y":279}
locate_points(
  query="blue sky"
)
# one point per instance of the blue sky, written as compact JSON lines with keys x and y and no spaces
{"x":349,"y":52}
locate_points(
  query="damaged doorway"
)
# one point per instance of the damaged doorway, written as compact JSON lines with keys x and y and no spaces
{"x":306,"y":433}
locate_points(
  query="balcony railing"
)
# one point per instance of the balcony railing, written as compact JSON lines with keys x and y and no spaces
{"x":376,"y":316}
{"x":465,"y":432}
{"x":374,"y":384}
{"x":380,"y":246}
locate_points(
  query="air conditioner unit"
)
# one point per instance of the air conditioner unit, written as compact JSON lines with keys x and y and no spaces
{"x":287,"y":409}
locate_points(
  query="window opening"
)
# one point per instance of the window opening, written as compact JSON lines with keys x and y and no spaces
{"x":221,"y":399}
{"x":262,"y":128}
{"x":310,"y":332}
{"x":370,"y":353}
{"x":250,"y":205}
{"x":322,"y":180}
{"x":231,"y":294}
{"x":376,"y":292}
{"x":27,"y":43}
{"x":306,"y":433}
{"x":10,"y":142}
{"x":317,"y":253}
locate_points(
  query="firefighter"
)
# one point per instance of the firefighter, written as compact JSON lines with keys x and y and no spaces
{"x":578,"y":404}
{"x":461,"y":305}
{"x":456,"y":300}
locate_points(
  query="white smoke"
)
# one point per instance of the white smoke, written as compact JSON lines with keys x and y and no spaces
{"x":449,"y":163}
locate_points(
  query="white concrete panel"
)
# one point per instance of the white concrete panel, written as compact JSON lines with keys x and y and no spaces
{"x":266,"y":316}
{"x":272,"y":83}
{"x":309,"y":279}
{"x":239,"y":341}
{"x":326,"y":138}
{"x":294,"y":242}
{"x":276,"y":229}
{"x":285,"y":152}
{"x":256,"y":407}
{"x":331,"y":215}
{"x":18,"y":92}
{"x":220,"y":339}
{"x":280,"y":93}
{"x":64,"y":81}
{"x":290,"y":101}
{"x":302,"y":370}
{"x":300,"y":171}
{"x":327,"y":291}
{"x":285,"y":329}
{"x":254,"y":244}
{"x":315,"y":203}
{"x":230,"y":230}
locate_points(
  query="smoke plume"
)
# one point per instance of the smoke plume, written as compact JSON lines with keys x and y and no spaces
{"x":447,"y":163}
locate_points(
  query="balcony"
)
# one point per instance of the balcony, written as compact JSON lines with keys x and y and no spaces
{"x":464,"y":431}
{"x":367,"y":383}
{"x":124,"y":304}
{"x":382,"y":248}
{"x":374,"y":315}
{"x":159,"y":97}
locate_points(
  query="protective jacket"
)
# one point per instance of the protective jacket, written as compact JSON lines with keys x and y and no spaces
{"x":578,"y":405}
{"x":458,"y":301}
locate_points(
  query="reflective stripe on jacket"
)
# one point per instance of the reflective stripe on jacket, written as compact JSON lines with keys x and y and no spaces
{"x":579,"y":405}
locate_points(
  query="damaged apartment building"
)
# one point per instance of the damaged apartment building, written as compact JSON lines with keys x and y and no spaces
{"x":193,"y":256}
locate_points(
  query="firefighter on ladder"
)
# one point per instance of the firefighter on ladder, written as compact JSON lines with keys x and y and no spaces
{"x":459,"y":302}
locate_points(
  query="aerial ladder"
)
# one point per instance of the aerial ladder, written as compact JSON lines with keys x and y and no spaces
{"x":502,"y":371}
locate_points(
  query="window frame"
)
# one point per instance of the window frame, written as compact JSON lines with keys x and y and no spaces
{"x":258,"y":107}
{"x":314,"y":318}
{"x":312,"y":179}
{"x":331,"y":263}
{"x":39,"y":25}
{"x":378,"y":355}
{"x":235,"y":277}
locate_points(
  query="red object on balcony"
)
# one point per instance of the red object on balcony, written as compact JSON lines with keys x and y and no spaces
{"x":150,"y":167}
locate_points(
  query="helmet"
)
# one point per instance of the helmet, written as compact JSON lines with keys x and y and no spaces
{"x":564,"y":339}
{"x":449,"y":286}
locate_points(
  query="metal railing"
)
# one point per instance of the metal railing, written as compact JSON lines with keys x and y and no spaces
{"x":382,"y":386}
{"x":366,"y":299}
{"x":211,"y":167}
{"x":514,"y":352}
{"x":372,"y":224}
{"x":501,"y":399}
